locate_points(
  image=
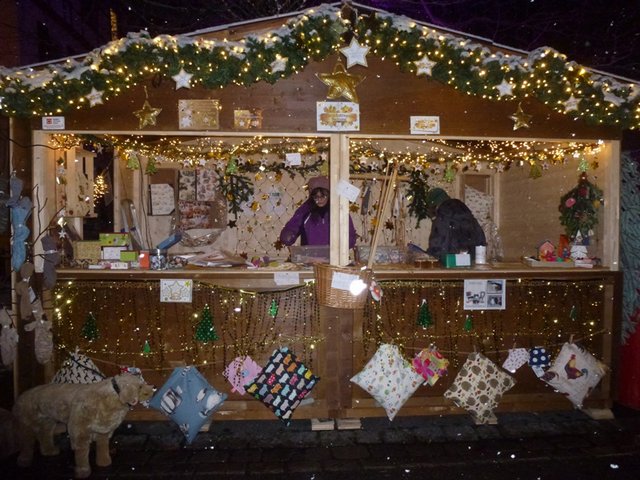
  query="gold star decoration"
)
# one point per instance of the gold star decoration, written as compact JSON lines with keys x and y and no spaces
{"x":341,"y":83}
{"x":520,"y":119}
{"x":147,"y":114}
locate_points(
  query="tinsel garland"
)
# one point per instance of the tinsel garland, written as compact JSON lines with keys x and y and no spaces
{"x":473,"y":68}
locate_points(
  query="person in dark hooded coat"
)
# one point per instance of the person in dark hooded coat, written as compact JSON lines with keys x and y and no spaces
{"x":454,"y":229}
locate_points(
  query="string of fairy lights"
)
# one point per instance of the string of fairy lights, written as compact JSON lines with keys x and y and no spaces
{"x":471,"y":67}
{"x":128,"y":316}
{"x":261,"y":154}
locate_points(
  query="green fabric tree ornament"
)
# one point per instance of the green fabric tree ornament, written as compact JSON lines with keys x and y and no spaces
{"x":232,"y":166}
{"x":146,"y":348}
{"x":90,"y":328}
{"x":133,"y":163}
{"x":205,"y":331}
{"x":273,"y":308}
{"x":449,"y":174}
{"x":468,"y":324}
{"x":573,"y":314}
{"x":424,"y":315}
{"x":152,"y":166}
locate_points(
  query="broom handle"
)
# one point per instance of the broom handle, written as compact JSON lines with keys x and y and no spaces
{"x":385,"y":203}
{"x":380,"y":200}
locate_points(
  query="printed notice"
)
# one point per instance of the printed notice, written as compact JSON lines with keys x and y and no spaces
{"x":485,"y":294}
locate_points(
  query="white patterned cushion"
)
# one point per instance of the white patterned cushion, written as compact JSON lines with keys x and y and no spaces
{"x":78,"y":368}
{"x":389,"y":378}
{"x":575,"y":372}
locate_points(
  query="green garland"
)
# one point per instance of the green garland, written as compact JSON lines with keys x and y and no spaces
{"x":473,"y":68}
{"x":579,"y":208}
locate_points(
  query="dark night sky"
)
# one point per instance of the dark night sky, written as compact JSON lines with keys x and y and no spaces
{"x":600,"y":34}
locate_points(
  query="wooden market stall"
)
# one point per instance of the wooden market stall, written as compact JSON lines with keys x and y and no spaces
{"x":406,"y":100}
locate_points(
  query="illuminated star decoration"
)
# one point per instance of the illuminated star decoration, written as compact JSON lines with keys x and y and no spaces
{"x":341,"y":83}
{"x":424,"y":66}
{"x":505,"y":88}
{"x":571,"y":104}
{"x":520,"y":119}
{"x":182,"y":79}
{"x":279,"y":64}
{"x":94,"y":97}
{"x":147,"y":114}
{"x":356,"y":54}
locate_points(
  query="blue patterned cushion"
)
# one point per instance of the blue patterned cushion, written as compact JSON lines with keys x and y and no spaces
{"x":283,"y":383}
{"x":187,"y":399}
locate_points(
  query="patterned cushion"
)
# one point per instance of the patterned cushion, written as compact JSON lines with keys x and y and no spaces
{"x":283,"y":383}
{"x":187,"y":399}
{"x":479,"y":386}
{"x":78,"y":368}
{"x":240,"y":372}
{"x":389,"y":378}
{"x":575,"y":373}
{"x":430,"y":363}
{"x":479,"y":203}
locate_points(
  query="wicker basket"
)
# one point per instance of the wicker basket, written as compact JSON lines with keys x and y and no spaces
{"x":336,"y":297}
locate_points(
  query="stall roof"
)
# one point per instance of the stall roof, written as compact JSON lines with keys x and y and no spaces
{"x":270,"y":50}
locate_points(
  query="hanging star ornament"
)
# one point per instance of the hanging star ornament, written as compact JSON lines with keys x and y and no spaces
{"x":356,"y":54}
{"x":571,"y":104}
{"x":341,"y":83}
{"x":279,"y":64}
{"x":520,"y":119}
{"x":505,"y":88}
{"x":147,"y":114}
{"x":94,"y":97}
{"x":424,"y":66}
{"x":182,"y":79}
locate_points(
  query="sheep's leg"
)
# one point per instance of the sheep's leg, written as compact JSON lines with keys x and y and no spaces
{"x":103,"y":456}
{"x":45,"y":430}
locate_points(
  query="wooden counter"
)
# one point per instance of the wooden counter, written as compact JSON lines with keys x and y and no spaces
{"x":337,"y":343}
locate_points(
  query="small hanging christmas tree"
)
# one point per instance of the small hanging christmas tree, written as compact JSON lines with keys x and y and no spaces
{"x":273,"y":308}
{"x":146,"y":348}
{"x":424,"y":315}
{"x":573,"y":314}
{"x":205,"y":331}
{"x":90,"y":328}
{"x":468,"y":324}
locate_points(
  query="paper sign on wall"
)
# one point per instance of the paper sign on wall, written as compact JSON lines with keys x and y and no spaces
{"x":176,"y":291}
{"x":286,"y":278}
{"x":425,"y":125}
{"x":337,"y":116}
{"x":485,"y":294}
{"x":345,"y":189}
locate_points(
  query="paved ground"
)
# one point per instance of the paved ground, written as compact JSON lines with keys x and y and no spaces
{"x":547,"y":446}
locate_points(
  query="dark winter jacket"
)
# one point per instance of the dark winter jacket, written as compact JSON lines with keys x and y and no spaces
{"x":311,"y":224}
{"x":454,"y":229}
